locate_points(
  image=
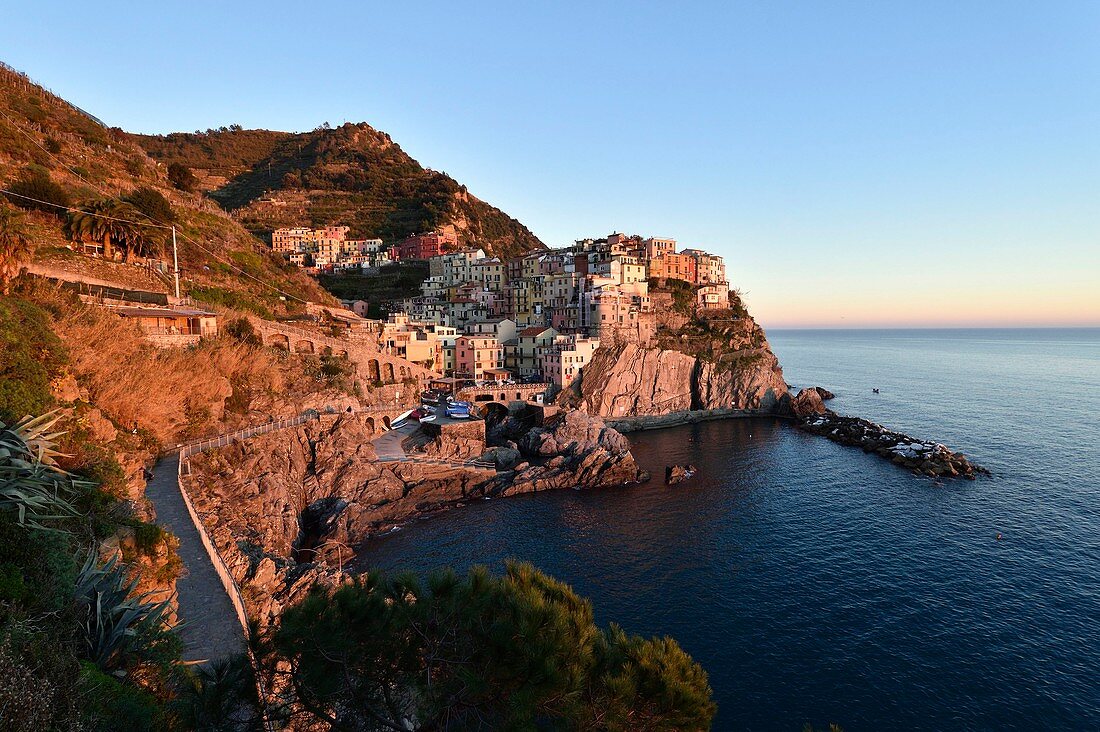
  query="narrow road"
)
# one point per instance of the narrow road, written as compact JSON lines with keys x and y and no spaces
{"x":211,"y":629}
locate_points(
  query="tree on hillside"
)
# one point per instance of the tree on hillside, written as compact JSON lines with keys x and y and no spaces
{"x":36,"y":191}
{"x":520,"y":651}
{"x":115,"y":223}
{"x":180,"y":176}
{"x":15,"y":246}
{"x":152,"y":203}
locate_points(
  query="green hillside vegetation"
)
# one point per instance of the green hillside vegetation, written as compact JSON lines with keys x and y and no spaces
{"x":393,"y":282}
{"x":352,"y":175}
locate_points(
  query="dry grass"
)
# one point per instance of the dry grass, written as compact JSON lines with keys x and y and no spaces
{"x":176,"y":393}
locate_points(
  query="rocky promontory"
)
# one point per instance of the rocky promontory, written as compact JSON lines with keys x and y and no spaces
{"x":700,"y":364}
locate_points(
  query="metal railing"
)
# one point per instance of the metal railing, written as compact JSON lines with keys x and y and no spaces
{"x":193,"y":448}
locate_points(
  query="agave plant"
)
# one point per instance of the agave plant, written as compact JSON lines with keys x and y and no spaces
{"x":117,"y":620}
{"x":31,"y":483}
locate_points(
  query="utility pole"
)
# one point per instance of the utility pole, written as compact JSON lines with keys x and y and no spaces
{"x":175,"y":263}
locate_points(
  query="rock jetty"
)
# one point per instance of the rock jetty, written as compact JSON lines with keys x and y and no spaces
{"x":921,"y":456}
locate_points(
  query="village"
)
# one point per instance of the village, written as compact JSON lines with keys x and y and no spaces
{"x":535,"y":318}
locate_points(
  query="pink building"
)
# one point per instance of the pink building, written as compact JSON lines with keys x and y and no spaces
{"x":474,"y":355}
{"x":655,"y":247}
{"x":562,"y":361}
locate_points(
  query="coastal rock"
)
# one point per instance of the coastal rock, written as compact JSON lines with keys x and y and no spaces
{"x":505,"y":458}
{"x":631,"y":380}
{"x":285,"y":507}
{"x":675,"y":474}
{"x":586,"y":453}
{"x":806,"y":403}
{"x":825,"y":394}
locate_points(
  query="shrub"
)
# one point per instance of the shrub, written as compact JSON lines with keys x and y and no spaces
{"x":181,"y":177}
{"x":116,"y":620}
{"x":520,"y":651}
{"x":242,"y":331}
{"x":231,"y":299}
{"x":36,"y":184}
{"x":108,"y":703}
{"x":148,"y":537}
{"x":152,"y":203}
{"x":31,"y":485}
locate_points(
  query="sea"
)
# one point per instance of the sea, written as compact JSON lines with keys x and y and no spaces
{"x":819,"y":584}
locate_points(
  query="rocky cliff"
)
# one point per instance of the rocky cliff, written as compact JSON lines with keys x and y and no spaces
{"x":705,"y":364}
{"x":287,"y":508}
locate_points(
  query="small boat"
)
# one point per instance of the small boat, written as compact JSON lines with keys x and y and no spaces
{"x":874,"y":391}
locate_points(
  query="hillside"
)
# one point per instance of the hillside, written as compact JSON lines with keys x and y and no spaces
{"x":353,"y":175}
{"x":48,"y":145}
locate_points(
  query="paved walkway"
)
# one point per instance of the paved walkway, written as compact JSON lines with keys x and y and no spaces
{"x":388,"y":445}
{"x":211,"y":629}
{"x":389,"y":449}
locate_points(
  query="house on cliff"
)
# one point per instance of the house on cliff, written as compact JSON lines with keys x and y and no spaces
{"x":171,"y":327}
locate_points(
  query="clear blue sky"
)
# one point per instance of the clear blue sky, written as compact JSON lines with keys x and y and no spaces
{"x":890,"y":163}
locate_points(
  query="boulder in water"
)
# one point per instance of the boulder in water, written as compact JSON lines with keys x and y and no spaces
{"x":679,"y":473}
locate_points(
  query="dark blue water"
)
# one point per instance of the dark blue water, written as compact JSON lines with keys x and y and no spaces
{"x":819,"y":584}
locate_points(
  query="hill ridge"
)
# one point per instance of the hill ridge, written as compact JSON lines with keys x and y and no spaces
{"x":352,"y":175}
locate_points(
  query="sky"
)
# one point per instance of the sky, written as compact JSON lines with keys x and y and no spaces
{"x":858,"y":164}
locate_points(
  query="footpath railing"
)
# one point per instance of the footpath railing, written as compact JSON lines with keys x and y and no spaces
{"x":188,"y":449}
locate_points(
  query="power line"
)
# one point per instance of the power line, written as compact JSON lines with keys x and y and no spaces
{"x":83,"y":211}
{"x":157,"y":223}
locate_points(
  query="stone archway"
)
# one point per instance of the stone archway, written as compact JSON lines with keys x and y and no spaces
{"x":493,"y":413}
{"x":326,"y":350}
{"x":387,"y":373}
{"x":386,"y":421}
{"x":303,"y":346}
{"x":373,"y":372}
{"x":370,"y":423}
{"x":278,"y":340}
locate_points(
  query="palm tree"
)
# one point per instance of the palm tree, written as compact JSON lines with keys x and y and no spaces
{"x":115,"y":223}
{"x":87,"y":224}
{"x":15,"y":246}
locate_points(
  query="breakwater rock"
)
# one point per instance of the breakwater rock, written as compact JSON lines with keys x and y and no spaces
{"x":923,"y":457}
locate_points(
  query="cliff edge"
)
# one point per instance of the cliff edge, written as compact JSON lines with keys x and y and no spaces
{"x":716,"y":361}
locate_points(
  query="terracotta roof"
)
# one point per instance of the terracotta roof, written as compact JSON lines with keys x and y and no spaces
{"x":535,"y":330}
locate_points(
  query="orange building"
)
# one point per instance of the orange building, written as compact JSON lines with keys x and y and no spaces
{"x":674,"y":266}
